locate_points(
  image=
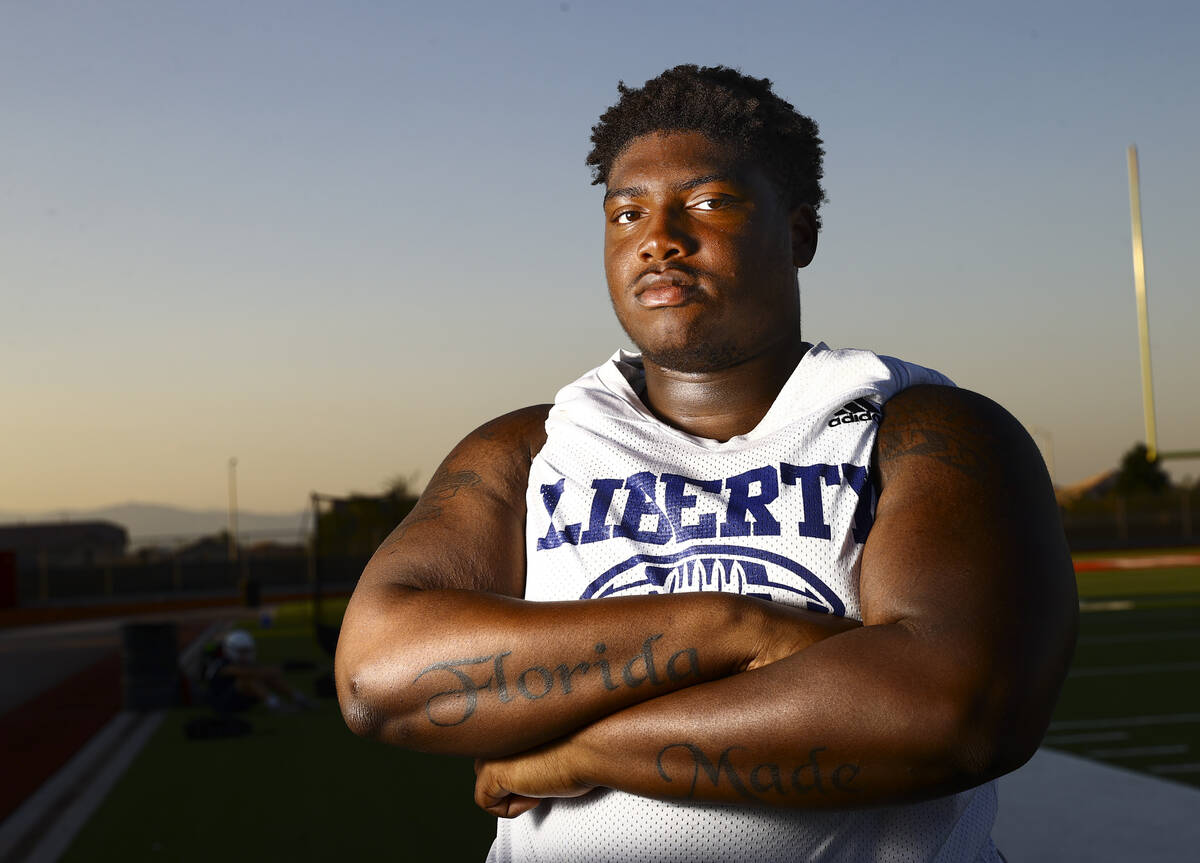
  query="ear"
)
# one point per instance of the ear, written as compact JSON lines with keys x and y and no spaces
{"x":804,"y":235}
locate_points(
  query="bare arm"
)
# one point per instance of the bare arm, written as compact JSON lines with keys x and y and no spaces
{"x":969,"y":608}
{"x":438,"y":654}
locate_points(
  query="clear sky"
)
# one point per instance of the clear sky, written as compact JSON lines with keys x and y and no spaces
{"x":331,"y":238}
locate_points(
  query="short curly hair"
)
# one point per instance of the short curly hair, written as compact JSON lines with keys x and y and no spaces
{"x":727,"y":107}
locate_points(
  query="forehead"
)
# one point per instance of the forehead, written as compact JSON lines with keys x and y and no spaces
{"x":669,"y":157}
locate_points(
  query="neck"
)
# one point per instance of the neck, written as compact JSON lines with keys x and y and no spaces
{"x":722,"y":404}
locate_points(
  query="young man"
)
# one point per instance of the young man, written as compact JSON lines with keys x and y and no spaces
{"x":738,"y":597}
{"x":237,"y":681}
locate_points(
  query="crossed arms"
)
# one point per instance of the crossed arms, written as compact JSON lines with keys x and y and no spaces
{"x":968,"y":606}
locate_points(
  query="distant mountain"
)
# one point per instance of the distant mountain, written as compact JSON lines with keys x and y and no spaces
{"x":150,"y":523}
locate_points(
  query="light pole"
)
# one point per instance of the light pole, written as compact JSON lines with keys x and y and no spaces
{"x":233,"y":515}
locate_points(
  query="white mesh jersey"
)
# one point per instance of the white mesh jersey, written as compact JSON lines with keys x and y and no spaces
{"x":620,"y":503}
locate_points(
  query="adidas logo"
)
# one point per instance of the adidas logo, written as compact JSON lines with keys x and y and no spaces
{"x":857,"y":411}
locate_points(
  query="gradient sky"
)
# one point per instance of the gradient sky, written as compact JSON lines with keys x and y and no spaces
{"x":330,"y":239}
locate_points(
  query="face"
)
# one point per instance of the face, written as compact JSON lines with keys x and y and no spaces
{"x":701,"y":253}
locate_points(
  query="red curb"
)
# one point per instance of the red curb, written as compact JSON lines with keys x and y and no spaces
{"x":63,"y":614}
{"x":42,"y":734}
{"x":1147,"y":562}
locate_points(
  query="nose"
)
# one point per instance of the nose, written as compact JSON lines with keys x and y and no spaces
{"x":665,"y":237}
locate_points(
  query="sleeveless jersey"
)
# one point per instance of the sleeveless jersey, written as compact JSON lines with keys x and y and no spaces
{"x":620,"y":503}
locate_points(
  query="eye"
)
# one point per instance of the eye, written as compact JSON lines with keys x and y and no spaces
{"x":624,"y":217}
{"x":710,"y":204}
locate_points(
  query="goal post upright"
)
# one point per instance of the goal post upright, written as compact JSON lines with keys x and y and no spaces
{"x":1139,"y":284}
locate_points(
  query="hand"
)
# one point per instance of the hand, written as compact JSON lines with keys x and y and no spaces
{"x":506,"y":787}
{"x":784,"y":630}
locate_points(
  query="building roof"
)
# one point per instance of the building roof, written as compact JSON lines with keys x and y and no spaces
{"x":63,"y":536}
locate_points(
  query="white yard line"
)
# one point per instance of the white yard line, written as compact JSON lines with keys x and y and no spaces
{"x":1105,"y":605}
{"x":1126,"y":722}
{"x":1134,"y":637}
{"x":46,"y":823}
{"x":1088,"y":737}
{"x":1168,"y":769}
{"x":1138,"y":751}
{"x":1111,"y":670}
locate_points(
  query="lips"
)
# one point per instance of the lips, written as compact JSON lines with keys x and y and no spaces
{"x":665,"y":289}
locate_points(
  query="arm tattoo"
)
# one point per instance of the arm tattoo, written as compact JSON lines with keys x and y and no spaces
{"x":444,"y":485}
{"x":456,"y":705}
{"x":928,"y":440}
{"x":762,"y":782}
{"x":943,"y":429}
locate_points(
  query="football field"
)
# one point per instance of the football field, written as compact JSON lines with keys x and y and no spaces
{"x":301,"y":787}
{"x":1132,"y":697}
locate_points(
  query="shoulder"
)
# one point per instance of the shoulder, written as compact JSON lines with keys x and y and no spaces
{"x":472,"y":509}
{"x":520,"y":433}
{"x":493,"y":459}
{"x":951,"y":437}
{"x":497,"y":455}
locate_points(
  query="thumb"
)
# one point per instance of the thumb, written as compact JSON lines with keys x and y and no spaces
{"x":491,"y":796}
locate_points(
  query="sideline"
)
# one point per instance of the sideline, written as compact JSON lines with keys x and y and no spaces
{"x":42,"y":827}
{"x":1061,"y":808}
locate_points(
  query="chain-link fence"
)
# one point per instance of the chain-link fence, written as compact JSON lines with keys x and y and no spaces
{"x":1134,"y":521}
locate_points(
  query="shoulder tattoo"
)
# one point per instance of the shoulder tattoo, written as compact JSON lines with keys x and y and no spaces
{"x":444,"y":485}
{"x":944,"y":428}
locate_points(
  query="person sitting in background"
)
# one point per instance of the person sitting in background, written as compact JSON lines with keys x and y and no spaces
{"x":237,"y":682}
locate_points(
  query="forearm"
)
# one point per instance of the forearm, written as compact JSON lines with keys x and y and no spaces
{"x":865,"y":718}
{"x":479,"y":674}
{"x":968,"y":595}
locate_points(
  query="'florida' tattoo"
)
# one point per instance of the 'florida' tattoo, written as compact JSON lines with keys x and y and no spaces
{"x":455,"y":706}
{"x":761,"y":780}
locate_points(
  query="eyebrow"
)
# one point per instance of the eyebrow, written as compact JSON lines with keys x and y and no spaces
{"x":686,"y":185}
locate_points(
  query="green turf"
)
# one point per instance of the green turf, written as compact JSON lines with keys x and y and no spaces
{"x":292,"y":615}
{"x":1141,"y":663}
{"x":301,"y":787}
{"x":1167,"y":580}
{"x":1136,"y":552}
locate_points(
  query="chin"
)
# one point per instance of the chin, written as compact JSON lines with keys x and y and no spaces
{"x":694,"y":358}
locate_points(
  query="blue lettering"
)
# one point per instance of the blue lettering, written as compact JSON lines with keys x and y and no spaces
{"x":741,"y":503}
{"x":810,"y":476}
{"x":551,"y":494}
{"x":676,"y":502}
{"x":746,"y":510}
{"x":641,"y":503}
{"x":597,"y":529}
{"x":858,"y":478}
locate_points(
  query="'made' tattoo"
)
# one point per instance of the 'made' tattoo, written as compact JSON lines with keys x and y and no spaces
{"x":454,"y":706}
{"x":762,"y":781}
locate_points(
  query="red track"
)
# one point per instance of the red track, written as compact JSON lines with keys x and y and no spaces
{"x":1147,"y":562}
{"x":42,"y":734}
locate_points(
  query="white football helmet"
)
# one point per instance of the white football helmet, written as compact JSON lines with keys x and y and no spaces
{"x":238,"y":646}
